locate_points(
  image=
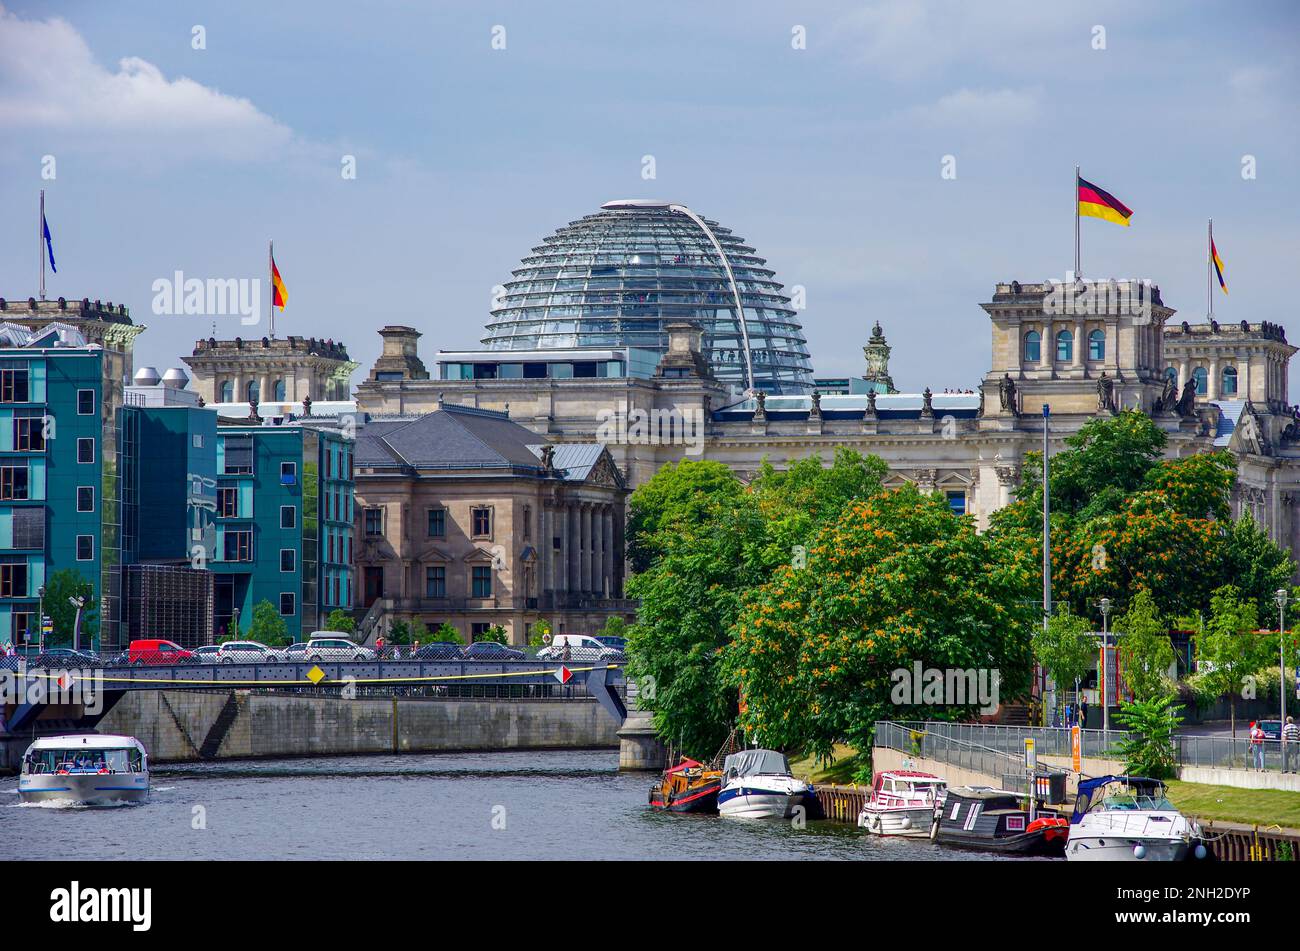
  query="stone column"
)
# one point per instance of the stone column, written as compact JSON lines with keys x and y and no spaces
{"x":1212,"y":384}
{"x":584,"y":516}
{"x":1112,"y":346}
{"x":1047,"y":356}
{"x":545,"y":550}
{"x":607,"y":533}
{"x":1077,"y":362}
{"x":562,"y":557}
{"x":598,"y":551}
{"x":1184,"y":368}
{"x":575,"y":548}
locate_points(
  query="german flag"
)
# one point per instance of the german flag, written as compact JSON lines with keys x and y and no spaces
{"x":1218,"y":265}
{"x":278,"y":294}
{"x":1096,"y":202}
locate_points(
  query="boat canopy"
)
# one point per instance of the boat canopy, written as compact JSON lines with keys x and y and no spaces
{"x":1142,"y":785}
{"x":757,"y":763}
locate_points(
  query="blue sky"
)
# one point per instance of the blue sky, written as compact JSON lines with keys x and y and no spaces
{"x":827,"y":159}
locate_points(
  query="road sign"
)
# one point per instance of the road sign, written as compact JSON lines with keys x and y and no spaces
{"x":1031,"y":756}
{"x":1076,"y":748}
{"x":563,"y":674}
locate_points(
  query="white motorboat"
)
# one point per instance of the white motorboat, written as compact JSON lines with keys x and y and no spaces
{"x":88,"y":769}
{"x":1129,"y":819}
{"x":757,"y":784}
{"x":902,"y":802}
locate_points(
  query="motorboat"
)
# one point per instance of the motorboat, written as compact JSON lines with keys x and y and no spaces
{"x":687,"y":787}
{"x":902,"y":802}
{"x":996,"y":820}
{"x":758,"y":784}
{"x":1130,"y":819}
{"x":88,"y":769}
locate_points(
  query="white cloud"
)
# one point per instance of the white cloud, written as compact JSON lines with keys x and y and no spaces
{"x":981,"y":108}
{"x":50,"y":80}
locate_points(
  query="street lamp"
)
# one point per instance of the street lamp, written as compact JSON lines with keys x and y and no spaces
{"x":40,"y":620}
{"x":1105,"y":673}
{"x":1280,"y":597}
{"x":77,"y":602}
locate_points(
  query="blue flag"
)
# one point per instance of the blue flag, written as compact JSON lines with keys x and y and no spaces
{"x":49,"y":244}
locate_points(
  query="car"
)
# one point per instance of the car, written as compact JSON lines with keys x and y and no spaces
{"x":1272,"y":729}
{"x":295,"y":652}
{"x":247,"y":652}
{"x":609,"y":640}
{"x":154,"y":650}
{"x":440,"y":650}
{"x":65,"y":657}
{"x":208,"y":653}
{"x":491,"y":650}
{"x":580,"y":647}
{"x":326,"y":646}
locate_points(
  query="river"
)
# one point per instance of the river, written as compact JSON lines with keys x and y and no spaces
{"x":508,"y":805}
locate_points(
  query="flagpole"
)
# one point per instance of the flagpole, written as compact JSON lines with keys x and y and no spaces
{"x":40,"y":242}
{"x":270,"y":273}
{"x":1077,"y":276}
{"x":1209,"y":267}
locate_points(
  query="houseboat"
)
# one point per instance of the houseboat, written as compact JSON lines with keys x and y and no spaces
{"x":902,"y":802}
{"x":995,"y":820}
{"x":687,"y":787}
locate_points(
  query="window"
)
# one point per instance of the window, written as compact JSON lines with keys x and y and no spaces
{"x":278,"y":391}
{"x":288,"y":473}
{"x":250,"y":391}
{"x":437,"y":523}
{"x":227,"y":394}
{"x":198,"y":440}
{"x":1172,"y":373}
{"x":29,"y":434}
{"x":288,"y":559}
{"x":287,"y":603}
{"x":227,"y":503}
{"x":956,"y":502}
{"x":1064,"y":346}
{"x":288,"y":516}
{"x":29,"y":527}
{"x":13,"y":385}
{"x":1097,"y":345}
{"x":85,"y":498}
{"x":481,"y":521}
{"x":1033,"y":347}
{"x":435,"y":581}
{"x":85,"y":402}
{"x":374,"y":521}
{"x":85,"y":548}
{"x":239,"y":546}
{"x":482,"y":582}
{"x":13,"y":580}
{"x":528,"y":523}
{"x":13,"y":482}
{"x":1229,"y":387}
{"x":478,"y":630}
{"x":1202,"y":380}
{"x":238,"y":454}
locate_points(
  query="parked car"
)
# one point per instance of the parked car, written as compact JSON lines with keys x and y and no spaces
{"x":326,"y":646}
{"x":247,"y":652}
{"x":617,"y":643}
{"x":64,"y":657}
{"x":208,"y":654}
{"x":440,"y":650}
{"x":1272,"y":729}
{"x":156,"y":651}
{"x":581,"y":647}
{"x":295,"y":652}
{"x":491,"y":650}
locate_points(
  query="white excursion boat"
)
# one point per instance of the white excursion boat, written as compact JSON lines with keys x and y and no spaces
{"x":902,"y":802}
{"x":1129,"y":819}
{"x":88,"y":769}
{"x":757,"y":784}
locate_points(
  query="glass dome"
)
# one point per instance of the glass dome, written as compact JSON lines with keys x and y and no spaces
{"x":617,"y":278}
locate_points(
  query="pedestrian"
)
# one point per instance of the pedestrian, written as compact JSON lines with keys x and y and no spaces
{"x":379,"y":647}
{"x":1257,"y":746}
{"x":1290,"y":744}
{"x":1069,"y":714}
{"x":1083,"y":714}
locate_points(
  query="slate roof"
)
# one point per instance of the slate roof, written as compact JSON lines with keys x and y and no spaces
{"x":575,"y":460}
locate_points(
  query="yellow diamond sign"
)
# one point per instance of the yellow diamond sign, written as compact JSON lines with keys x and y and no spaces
{"x":315,"y":675}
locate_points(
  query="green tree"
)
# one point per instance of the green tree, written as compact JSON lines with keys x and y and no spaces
{"x":615,"y":626}
{"x":1228,"y":650}
{"x":1148,"y":749}
{"x":540,"y":630}
{"x":682,"y":494}
{"x":1066,"y":648}
{"x":59,"y":587}
{"x":268,"y":627}
{"x":896,"y":580}
{"x":341,"y":621}
{"x":495,"y":633}
{"x":1145,"y":651}
{"x":446,"y":632}
{"x":399,"y":632}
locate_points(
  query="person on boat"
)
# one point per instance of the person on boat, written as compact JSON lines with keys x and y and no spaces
{"x":1257,"y":746}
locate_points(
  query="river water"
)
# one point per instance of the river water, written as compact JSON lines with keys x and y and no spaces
{"x":508,"y":805}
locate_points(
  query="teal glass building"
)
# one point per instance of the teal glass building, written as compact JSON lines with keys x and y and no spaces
{"x":284,"y":509}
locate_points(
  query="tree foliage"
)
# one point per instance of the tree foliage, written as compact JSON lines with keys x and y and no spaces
{"x":1148,"y":749}
{"x":341,"y":621}
{"x":267,"y":626}
{"x":1145,"y":651}
{"x":59,"y":587}
{"x":1066,"y":647}
{"x":1228,"y":650}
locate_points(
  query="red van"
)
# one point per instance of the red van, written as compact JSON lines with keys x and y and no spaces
{"x":155,"y":651}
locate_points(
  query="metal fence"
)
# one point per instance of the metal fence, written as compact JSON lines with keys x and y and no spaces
{"x":1228,"y":752}
{"x":932,"y":741}
{"x":1048,"y":741}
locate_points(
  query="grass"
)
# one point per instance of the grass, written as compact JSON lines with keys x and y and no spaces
{"x":1267,"y":807}
{"x":839,"y":770}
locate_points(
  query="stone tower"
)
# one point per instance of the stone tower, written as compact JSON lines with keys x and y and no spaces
{"x":877,"y":353}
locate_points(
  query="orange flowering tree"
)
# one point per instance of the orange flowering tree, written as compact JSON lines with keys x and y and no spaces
{"x":895,"y":580}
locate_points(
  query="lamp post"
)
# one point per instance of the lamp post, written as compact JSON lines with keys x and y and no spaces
{"x":40,"y":619}
{"x":1105,"y":672}
{"x":1280,"y":597}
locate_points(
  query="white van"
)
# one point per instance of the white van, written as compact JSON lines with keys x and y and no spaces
{"x":581,"y":647}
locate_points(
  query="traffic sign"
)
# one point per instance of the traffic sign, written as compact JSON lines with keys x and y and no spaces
{"x":563,"y":674}
{"x":1031,"y":756}
{"x":1076,"y":748}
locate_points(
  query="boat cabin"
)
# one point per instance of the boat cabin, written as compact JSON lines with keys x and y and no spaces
{"x":92,"y":753}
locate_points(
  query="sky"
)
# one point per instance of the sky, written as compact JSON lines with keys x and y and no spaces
{"x":820,"y":132}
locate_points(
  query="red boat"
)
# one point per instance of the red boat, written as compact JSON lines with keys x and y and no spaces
{"x":687,"y":787}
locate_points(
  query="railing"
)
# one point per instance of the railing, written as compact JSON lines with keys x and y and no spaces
{"x":924,"y":740}
{"x":1048,"y":741}
{"x":1228,"y":752}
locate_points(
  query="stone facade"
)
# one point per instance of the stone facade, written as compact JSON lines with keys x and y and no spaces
{"x":276,"y":370}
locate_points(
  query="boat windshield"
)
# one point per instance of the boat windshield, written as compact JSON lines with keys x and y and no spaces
{"x":126,"y":760}
{"x":1132,"y":802}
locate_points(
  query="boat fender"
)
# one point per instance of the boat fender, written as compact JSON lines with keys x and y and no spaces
{"x":1139,"y":851}
{"x":934,"y":830}
{"x":1200,"y":851}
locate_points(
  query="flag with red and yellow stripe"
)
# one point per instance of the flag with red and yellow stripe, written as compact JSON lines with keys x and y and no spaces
{"x":1218,"y":264}
{"x":278,"y":293}
{"x":1096,"y":202}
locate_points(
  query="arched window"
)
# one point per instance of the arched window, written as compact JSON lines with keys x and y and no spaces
{"x":279,"y":391}
{"x":1097,"y":345}
{"x":1033,"y":347}
{"x":1172,"y":373}
{"x":250,"y":391}
{"x":1202,"y":380}
{"x":227,"y":392}
{"x":1065,"y":346}
{"x":1229,"y":381}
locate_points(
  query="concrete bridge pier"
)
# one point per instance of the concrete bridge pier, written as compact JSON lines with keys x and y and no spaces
{"x":639,"y":746}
